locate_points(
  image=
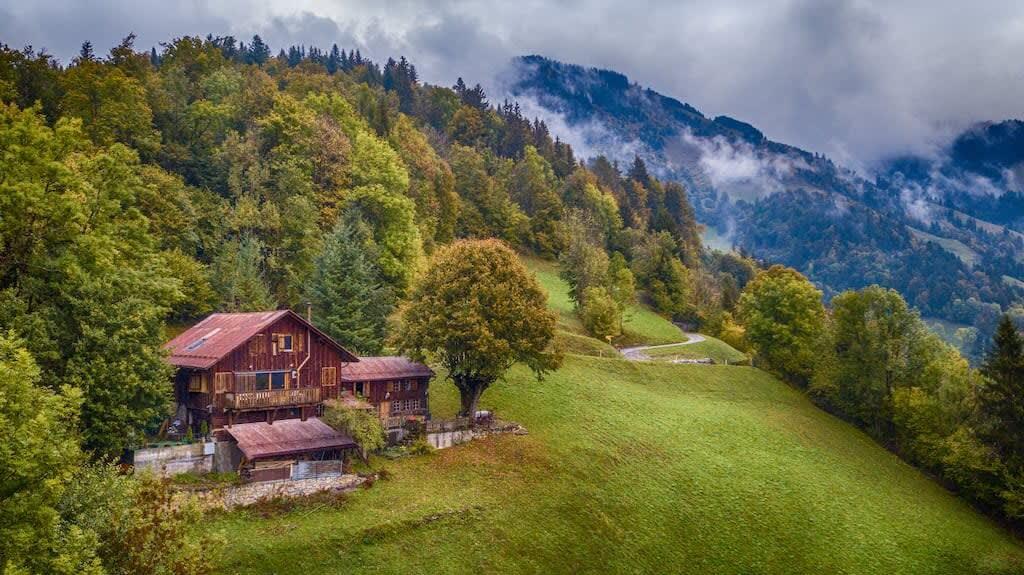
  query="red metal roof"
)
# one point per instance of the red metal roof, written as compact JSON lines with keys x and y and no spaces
{"x":287,"y":437}
{"x":384,"y":368}
{"x":204,"y":344}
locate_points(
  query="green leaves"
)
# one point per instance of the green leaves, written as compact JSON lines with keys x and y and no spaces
{"x":363,"y":426}
{"x":80,"y":274}
{"x":784,"y":320}
{"x":478,"y":311}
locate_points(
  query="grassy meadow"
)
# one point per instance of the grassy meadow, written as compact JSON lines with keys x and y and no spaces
{"x":716,"y":349}
{"x":634,"y":467}
{"x":637,"y":467}
{"x":641,"y":325}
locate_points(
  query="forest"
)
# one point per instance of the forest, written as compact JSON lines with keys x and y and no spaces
{"x":142,"y":190}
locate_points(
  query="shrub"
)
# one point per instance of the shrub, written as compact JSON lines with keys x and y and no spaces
{"x":600,"y":313}
{"x":361,"y":425}
{"x":420,"y":447}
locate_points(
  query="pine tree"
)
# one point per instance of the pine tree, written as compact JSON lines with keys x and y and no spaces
{"x":334,"y":61}
{"x":259,"y":52}
{"x":1001,"y":398}
{"x":638,"y":172}
{"x":239,"y":276}
{"x":349,"y":301}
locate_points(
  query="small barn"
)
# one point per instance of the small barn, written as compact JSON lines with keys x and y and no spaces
{"x":290,"y":448}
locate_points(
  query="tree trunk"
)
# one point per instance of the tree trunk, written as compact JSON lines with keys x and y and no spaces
{"x":469,"y":396}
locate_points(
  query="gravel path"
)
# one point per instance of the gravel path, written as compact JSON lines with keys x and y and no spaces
{"x":638,"y":353}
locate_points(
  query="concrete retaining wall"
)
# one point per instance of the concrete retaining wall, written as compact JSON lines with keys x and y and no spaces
{"x":192,"y":458}
{"x":443,"y":439}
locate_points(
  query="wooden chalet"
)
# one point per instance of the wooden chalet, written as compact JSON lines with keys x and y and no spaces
{"x":244,"y":368}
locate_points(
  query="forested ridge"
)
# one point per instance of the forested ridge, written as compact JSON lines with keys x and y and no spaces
{"x":146,"y":189}
{"x":843,"y":229}
{"x":153,"y":187}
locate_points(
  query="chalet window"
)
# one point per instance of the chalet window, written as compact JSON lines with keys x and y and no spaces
{"x":285,"y":341}
{"x":392,"y":386}
{"x":328,"y":375}
{"x":271,"y":380}
{"x":197,"y":383}
{"x":405,"y":405}
{"x":362,"y":389}
{"x":409,"y":385}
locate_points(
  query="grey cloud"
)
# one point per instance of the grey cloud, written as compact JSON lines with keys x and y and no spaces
{"x":856,"y":79}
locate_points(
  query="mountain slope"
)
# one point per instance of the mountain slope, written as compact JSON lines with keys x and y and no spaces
{"x":787,"y":205}
{"x":638,"y":467}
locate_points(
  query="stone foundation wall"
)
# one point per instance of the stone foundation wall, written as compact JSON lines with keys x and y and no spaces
{"x":242,"y":495}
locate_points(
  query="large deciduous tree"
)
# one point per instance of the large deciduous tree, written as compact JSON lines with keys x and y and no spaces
{"x":784,"y":320}
{"x":878,"y":344}
{"x":477,"y":310}
{"x":81,"y":281}
{"x":38,"y":456}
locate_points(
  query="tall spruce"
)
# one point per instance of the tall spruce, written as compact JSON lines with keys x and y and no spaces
{"x":350,"y":302}
{"x":1001,"y":398}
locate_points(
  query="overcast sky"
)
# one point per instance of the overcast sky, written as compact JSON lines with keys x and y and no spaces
{"x":855,"y":79}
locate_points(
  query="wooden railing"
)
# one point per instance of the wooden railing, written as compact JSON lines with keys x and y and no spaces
{"x":272,"y":398}
{"x":438,"y":425}
{"x":396,"y":421}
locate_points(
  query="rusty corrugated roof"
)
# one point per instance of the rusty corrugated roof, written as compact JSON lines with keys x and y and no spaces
{"x":287,"y":437}
{"x":207,"y":342}
{"x":384,"y":368}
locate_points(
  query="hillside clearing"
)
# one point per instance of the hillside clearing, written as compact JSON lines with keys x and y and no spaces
{"x":641,"y":325}
{"x":637,"y":467}
{"x":709,"y":347}
{"x":955,"y":247}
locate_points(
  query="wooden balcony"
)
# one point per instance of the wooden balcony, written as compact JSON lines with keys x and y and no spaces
{"x":270,"y":399}
{"x":398,"y":420}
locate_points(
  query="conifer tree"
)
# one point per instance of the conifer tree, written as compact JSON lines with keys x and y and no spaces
{"x":239,"y":276}
{"x":350,"y":302}
{"x":1001,"y":398}
{"x":259,"y":52}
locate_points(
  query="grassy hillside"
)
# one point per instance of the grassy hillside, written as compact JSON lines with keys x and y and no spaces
{"x":716,"y":349}
{"x":637,"y":467}
{"x":641,"y":325}
{"x":956,"y":247}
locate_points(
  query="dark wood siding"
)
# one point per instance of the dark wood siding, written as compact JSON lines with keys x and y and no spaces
{"x":309,"y":355}
{"x":378,"y":391}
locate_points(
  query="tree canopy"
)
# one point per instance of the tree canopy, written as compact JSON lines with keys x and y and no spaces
{"x":477,"y":310}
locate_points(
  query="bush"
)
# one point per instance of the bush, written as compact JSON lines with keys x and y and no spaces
{"x":600,"y":313}
{"x":420,"y":447}
{"x":361,"y":425}
{"x":141,"y":526}
{"x":733,"y":334}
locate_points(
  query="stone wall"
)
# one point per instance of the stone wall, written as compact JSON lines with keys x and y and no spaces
{"x":445,"y":439}
{"x":249,"y":493}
